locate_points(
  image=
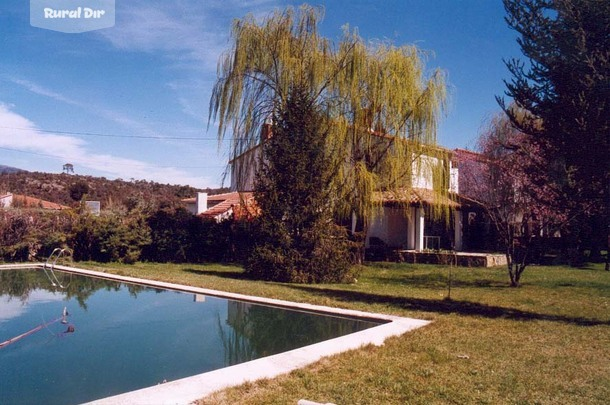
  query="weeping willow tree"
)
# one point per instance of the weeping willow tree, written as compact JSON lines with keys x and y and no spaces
{"x":381,"y":107}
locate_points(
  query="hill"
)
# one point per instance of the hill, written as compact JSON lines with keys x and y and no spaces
{"x":9,"y":169}
{"x":68,"y":188}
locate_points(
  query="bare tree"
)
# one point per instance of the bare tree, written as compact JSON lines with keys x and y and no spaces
{"x":508,"y":179}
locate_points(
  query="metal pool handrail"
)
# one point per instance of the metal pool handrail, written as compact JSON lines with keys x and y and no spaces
{"x":50,"y":265}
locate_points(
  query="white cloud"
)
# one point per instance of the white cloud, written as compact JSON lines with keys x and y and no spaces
{"x":35,"y":88}
{"x":112,"y":115}
{"x":14,"y":307}
{"x":146,"y":27}
{"x":189,"y":36}
{"x":186,"y":36}
{"x":194,"y":33}
{"x":21,"y":134}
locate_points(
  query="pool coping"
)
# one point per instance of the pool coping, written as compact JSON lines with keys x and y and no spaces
{"x":189,"y":389}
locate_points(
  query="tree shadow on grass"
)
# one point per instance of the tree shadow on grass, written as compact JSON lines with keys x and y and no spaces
{"x":439,"y":281}
{"x":447,"y":306}
{"x":584,"y":267}
{"x":237,"y":275}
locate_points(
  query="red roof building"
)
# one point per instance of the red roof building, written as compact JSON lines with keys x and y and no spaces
{"x":11,"y":200}
{"x":223,"y":206}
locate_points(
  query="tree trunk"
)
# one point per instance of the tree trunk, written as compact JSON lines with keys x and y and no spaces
{"x":608,"y":224}
{"x":358,"y":238}
{"x":516,"y":261}
{"x":514,"y":278}
{"x":608,"y":251}
{"x":518,"y":272}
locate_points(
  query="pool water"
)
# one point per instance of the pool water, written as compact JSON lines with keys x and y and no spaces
{"x":127,"y":337}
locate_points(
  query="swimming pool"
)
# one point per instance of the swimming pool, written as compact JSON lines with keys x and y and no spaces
{"x":179,"y":341}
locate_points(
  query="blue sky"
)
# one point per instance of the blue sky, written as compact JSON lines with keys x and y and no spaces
{"x":131,"y":101}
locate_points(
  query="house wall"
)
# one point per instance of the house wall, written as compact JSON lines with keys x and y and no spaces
{"x":422,"y":168}
{"x":411,"y":228}
{"x":199,"y":205}
{"x":390,"y":225}
{"x":406,"y":229}
{"x":454,"y":179}
{"x":396,"y":227}
{"x":94,"y":207}
{"x":6,"y":201}
{"x":201,"y":202}
{"x":244,"y":168}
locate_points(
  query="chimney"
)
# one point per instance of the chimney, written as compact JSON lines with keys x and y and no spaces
{"x":201,"y":203}
{"x":266,"y":132}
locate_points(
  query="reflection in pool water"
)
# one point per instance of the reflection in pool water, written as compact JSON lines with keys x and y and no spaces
{"x":128,"y":336}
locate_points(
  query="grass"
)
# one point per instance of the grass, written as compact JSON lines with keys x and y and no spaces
{"x":547,"y":342}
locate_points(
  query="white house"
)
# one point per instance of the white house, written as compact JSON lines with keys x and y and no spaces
{"x":403,"y":220}
{"x":221,"y":206}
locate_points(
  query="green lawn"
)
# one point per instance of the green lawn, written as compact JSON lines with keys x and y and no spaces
{"x":546,"y":342}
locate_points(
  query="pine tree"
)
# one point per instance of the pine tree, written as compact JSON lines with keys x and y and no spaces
{"x":565,"y":86}
{"x":297,"y":239}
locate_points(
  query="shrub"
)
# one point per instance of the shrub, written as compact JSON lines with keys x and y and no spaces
{"x":109,"y":238}
{"x":322,"y":258}
{"x":177,"y":236}
{"x":31,"y":234}
{"x":296,"y":238}
{"x":170,"y":236}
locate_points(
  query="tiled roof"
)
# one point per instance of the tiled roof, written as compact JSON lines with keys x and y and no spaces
{"x":461,"y":155}
{"x":418,"y":196}
{"x":32,"y":202}
{"x":242,"y":205}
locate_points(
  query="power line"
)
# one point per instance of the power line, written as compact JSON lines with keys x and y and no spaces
{"x":181,"y":138}
{"x":122,"y":164}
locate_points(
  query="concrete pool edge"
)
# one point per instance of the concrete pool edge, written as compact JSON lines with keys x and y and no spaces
{"x":190,"y":389}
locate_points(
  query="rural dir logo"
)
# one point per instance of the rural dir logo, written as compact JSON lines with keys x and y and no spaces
{"x":72,"y":16}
